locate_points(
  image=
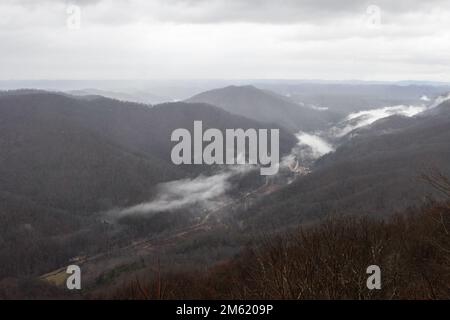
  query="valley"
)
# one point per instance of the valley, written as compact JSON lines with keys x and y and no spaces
{"x":148,"y":250}
{"x":90,"y":181}
{"x":224,"y":150}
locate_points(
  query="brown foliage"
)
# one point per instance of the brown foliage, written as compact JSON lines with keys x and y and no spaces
{"x":327,"y":261}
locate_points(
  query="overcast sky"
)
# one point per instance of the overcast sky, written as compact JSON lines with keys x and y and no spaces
{"x":225,"y":39}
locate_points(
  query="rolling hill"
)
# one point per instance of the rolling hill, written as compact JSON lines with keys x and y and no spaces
{"x":91,"y":154}
{"x":265,"y":106}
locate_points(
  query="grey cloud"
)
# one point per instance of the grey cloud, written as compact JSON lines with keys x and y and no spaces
{"x":279,"y":11}
{"x":34,"y":3}
{"x":252,"y":11}
{"x":224,"y":39}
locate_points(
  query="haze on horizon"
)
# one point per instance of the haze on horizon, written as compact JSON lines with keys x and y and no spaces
{"x":218,"y":39}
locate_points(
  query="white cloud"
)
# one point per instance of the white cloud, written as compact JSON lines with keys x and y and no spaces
{"x":318,"y":145}
{"x":203,"y":191}
{"x":181,"y":193}
{"x":312,"y":146}
{"x":440,"y":100}
{"x":364,"y":118}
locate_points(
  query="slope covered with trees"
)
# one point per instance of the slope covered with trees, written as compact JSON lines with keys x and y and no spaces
{"x":64,"y":160}
{"x":266,"y":106}
{"x":376,"y":171}
{"x":325,"y":261}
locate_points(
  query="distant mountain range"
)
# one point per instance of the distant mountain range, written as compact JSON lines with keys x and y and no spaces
{"x":134,"y":96}
{"x":66,"y":160}
{"x":77,"y":154}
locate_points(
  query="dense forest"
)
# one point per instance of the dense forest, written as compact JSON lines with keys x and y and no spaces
{"x":224,"y":149}
{"x":67,"y":160}
{"x":71,"y":166}
{"x":324,"y":261}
